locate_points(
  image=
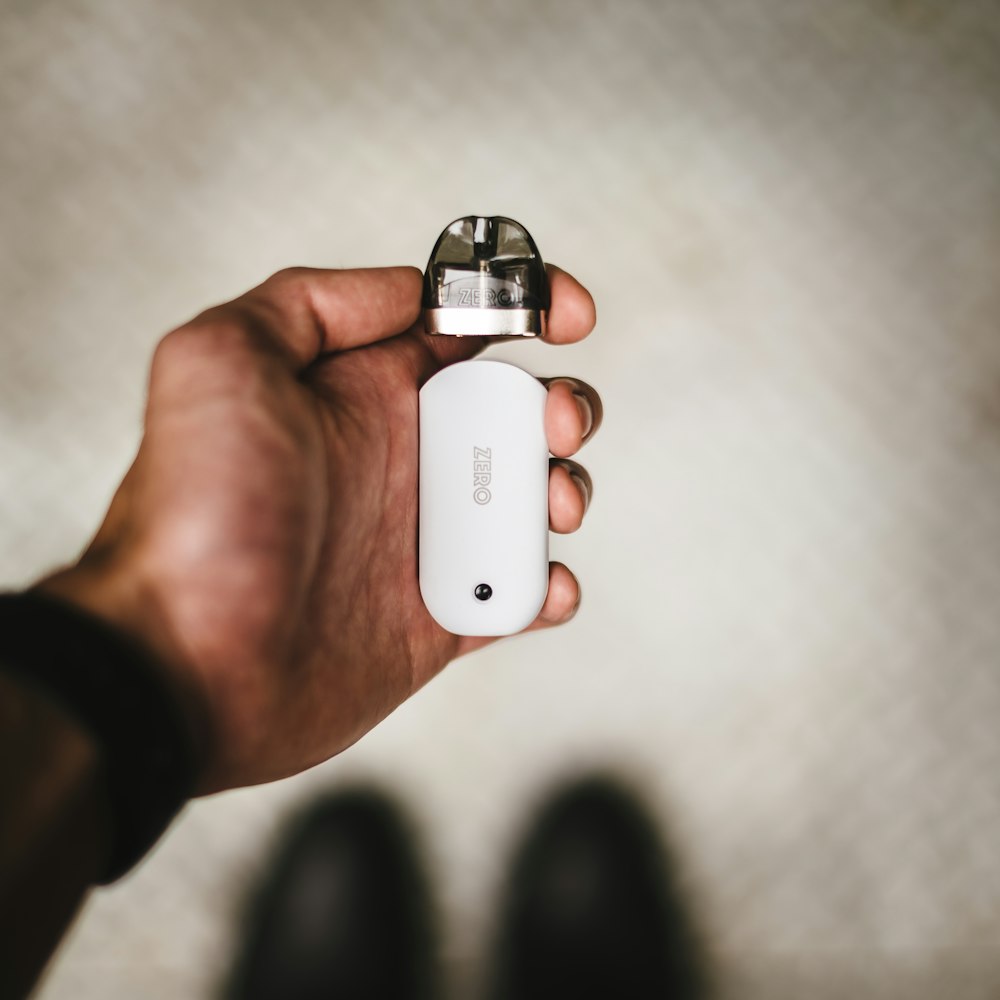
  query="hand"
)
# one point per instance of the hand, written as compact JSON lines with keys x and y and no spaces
{"x":263,"y":543}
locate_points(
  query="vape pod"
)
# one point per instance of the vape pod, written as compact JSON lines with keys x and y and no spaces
{"x":485,"y":278}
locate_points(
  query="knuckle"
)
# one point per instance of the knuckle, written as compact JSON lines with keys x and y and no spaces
{"x":294,"y":281}
{"x":217,"y":332}
{"x":174,"y":348}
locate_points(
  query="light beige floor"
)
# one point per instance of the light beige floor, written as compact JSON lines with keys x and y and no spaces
{"x":789,"y":214}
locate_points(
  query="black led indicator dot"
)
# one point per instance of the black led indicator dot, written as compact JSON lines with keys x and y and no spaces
{"x":483,"y":592}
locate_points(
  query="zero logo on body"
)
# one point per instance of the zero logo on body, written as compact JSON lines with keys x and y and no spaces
{"x":482,"y":475}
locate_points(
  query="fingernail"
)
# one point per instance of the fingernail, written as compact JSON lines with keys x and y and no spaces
{"x":586,"y":412}
{"x":581,"y":485}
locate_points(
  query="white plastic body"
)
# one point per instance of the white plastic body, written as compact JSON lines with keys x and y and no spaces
{"x":484,"y":473}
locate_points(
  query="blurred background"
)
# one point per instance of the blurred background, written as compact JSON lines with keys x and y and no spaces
{"x":789,"y":215}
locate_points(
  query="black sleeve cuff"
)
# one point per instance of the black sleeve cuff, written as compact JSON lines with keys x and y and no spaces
{"x":119,"y":693}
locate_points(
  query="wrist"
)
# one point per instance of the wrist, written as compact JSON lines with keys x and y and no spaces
{"x":117,"y":597}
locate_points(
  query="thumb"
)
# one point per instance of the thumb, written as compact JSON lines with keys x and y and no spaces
{"x":308,"y":312}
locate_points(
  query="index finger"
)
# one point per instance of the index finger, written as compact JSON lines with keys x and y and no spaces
{"x":309,"y":312}
{"x":572,"y":314}
{"x":322,"y":311}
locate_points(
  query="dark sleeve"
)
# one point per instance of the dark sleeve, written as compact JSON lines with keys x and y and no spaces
{"x":117,"y":692}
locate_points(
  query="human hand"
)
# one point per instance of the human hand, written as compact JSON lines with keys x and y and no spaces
{"x":263,"y":543}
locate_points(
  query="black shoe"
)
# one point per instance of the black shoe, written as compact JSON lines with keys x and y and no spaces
{"x":343,"y":912}
{"x":590,"y":912}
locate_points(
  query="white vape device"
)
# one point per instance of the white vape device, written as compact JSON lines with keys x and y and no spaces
{"x":484,"y":459}
{"x":484,"y":479}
